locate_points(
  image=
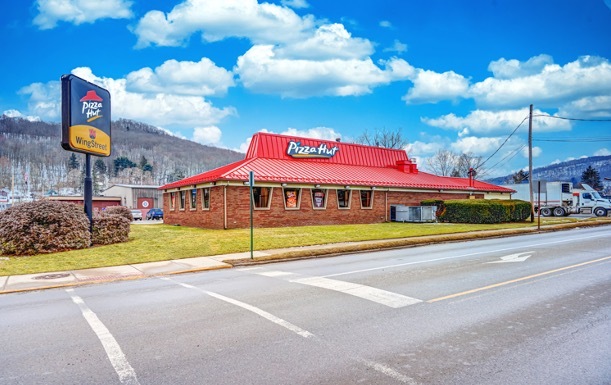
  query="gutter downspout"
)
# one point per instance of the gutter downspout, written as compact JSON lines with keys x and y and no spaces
{"x":225,"y":207}
{"x":386,"y":206}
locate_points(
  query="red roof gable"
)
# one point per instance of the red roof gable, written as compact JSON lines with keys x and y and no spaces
{"x":350,"y":164}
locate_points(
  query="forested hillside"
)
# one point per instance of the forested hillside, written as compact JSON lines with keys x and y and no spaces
{"x":141,"y":154}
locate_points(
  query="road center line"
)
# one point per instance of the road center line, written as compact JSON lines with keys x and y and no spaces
{"x":256,"y":310}
{"x":516,"y":280}
{"x":126,"y":373}
{"x":459,"y":256}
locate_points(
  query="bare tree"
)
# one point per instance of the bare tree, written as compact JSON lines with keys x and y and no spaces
{"x":383,"y":138}
{"x":465,"y":162}
{"x":442,"y":163}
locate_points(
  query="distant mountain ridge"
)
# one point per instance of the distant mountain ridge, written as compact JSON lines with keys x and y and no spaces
{"x":569,"y":171}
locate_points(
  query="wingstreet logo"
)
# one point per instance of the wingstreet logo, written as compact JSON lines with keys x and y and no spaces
{"x":296,"y":150}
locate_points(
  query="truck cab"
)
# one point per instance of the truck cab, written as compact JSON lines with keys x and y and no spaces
{"x":590,"y":201}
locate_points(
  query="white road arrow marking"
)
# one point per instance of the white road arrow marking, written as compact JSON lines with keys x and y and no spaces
{"x":518,"y":257}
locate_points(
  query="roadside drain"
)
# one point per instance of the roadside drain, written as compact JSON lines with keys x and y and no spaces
{"x":53,"y":276}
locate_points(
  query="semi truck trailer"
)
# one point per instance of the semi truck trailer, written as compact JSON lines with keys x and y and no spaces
{"x":561,"y":199}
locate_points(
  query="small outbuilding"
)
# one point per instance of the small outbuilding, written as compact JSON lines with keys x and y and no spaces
{"x":304,"y":181}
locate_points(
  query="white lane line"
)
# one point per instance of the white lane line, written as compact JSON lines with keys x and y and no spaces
{"x":369,"y":293}
{"x":256,"y":310}
{"x":381,"y":368}
{"x":126,"y":373}
{"x":389,"y":372}
{"x":459,"y":256}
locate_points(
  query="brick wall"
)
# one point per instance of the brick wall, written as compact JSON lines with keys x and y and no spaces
{"x":238,"y":208}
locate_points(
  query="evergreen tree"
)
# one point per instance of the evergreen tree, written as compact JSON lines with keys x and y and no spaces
{"x":73,"y":163}
{"x":121,"y":163}
{"x":519,"y":177}
{"x":100,"y":167}
{"x":591,"y":177}
{"x":145,"y":165}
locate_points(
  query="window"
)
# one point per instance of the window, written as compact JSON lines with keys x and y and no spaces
{"x":343,"y":199}
{"x":262,"y":197}
{"x":366,"y":199}
{"x":292,"y":198}
{"x":182,"y":199}
{"x":319,"y":199}
{"x":193,"y":199}
{"x":206,"y":198}
{"x":172,"y":201}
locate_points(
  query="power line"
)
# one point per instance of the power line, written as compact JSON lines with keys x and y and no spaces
{"x":507,"y":157}
{"x":566,"y":118}
{"x":576,"y":140}
{"x":502,"y":144}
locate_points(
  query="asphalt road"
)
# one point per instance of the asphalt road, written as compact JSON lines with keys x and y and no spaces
{"x":532,"y":309}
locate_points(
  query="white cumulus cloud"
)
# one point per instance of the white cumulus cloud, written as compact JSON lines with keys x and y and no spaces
{"x":432,"y":87}
{"x":328,"y":42}
{"x":261,"y":71}
{"x":219,"y":19}
{"x":210,"y":135}
{"x":79,"y":11}
{"x":297,"y":4}
{"x":602,"y":152}
{"x":510,"y":69}
{"x":201,"y":78}
{"x":550,"y":86}
{"x":484,"y":121}
{"x":158,"y":109}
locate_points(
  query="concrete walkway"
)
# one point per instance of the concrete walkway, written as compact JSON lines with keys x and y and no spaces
{"x":27,"y":282}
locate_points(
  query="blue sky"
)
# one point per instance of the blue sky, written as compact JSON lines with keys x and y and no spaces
{"x":457,"y":75}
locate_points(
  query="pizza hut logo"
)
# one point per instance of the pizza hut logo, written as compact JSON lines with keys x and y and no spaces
{"x":92,"y":106}
{"x":92,"y":133}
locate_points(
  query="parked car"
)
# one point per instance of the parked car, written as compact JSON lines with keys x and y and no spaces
{"x":137,"y":215}
{"x":154,"y":214}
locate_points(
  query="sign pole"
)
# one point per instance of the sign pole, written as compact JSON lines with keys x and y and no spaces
{"x":251,"y":182}
{"x":88,"y":193}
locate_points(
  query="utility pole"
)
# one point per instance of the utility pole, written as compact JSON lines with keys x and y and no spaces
{"x":530,"y":163}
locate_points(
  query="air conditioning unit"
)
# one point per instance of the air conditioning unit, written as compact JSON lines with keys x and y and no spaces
{"x":402,"y":213}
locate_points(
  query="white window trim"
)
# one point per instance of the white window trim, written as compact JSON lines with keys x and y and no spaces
{"x":182,"y":203}
{"x":370,"y":200}
{"x":349,"y":199}
{"x":202,"y":195}
{"x":173,"y":206}
{"x":192,"y":207}
{"x":326,"y":191}
{"x":298,"y":198}
{"x":269,"y":200}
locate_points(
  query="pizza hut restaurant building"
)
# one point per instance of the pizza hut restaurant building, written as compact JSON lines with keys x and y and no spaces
{"x":302,"y":181}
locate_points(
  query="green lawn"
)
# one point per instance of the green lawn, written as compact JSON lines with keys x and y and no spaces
{"x":158,"y":242}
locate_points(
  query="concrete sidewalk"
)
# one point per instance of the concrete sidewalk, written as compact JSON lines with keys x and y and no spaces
{"x":17,"y":283}
{"x":39,"y":281}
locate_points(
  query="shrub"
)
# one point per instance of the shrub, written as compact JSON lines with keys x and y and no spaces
{"x":482,"y":210}
{"x":43,"y":227}
{"x":118,"y":210}
{"x":110,"y":228}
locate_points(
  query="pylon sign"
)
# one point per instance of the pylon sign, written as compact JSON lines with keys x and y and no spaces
{"x":85,"y":117}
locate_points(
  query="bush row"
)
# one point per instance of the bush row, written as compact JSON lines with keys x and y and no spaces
{"x":480,"y":210}
{"x":49,"y":226}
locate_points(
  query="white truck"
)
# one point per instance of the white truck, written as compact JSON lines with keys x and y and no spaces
{"x":561,"y":199}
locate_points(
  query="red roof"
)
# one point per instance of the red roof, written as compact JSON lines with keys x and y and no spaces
{"x":351,"y":164}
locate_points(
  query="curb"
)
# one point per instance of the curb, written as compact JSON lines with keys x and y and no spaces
{"x":291,"y":254}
